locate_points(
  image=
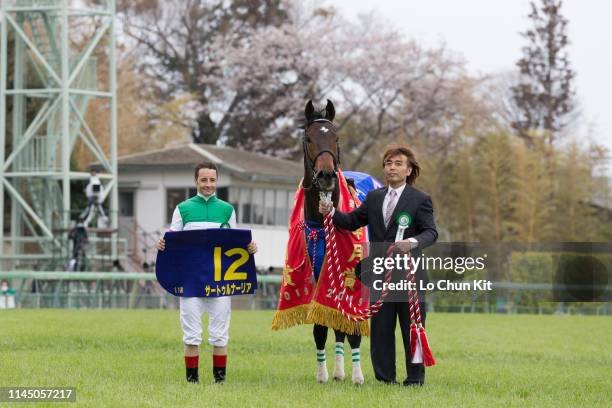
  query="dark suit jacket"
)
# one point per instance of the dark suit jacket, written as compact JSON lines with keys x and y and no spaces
{"x":413,"y":201}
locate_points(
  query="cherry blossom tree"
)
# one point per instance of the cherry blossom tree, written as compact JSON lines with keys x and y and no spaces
{"x":245,"y":84}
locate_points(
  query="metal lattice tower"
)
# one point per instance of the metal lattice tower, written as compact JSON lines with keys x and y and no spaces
{"x":49,"y":86}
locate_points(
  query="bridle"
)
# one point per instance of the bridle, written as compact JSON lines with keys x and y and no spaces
{"x":311,"y":162}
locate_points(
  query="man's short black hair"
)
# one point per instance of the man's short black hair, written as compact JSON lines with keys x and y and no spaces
{"x":204,"y":165}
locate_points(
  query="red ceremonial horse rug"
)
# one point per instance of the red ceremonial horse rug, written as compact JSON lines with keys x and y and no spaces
{"x":304,"y":299}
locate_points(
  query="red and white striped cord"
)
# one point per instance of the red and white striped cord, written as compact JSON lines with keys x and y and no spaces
{"x":344,"y":303}
{"x":420,"y":350}
{"x":415,"y":310}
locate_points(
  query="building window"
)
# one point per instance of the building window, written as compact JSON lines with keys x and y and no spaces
{"x":290,"y":202}
{"x":258,"y":206}
{"x":126,"y":203}
{"x":175,"y":196}
{"x":222,"y":193}
{"x":269,"y":207}
{"x":257,"y":199}
{"x":281,"y":216}
{"x":245,"y":205}
{"x":234,"y":199}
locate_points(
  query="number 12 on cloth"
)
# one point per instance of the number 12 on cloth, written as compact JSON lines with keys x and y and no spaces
{"x":207,"y":263}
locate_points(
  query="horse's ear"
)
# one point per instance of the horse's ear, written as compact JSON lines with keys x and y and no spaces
{"x":309,"y":112}
{"x":330,"y":111}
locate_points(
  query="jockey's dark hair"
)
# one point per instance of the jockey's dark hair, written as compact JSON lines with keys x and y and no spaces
{"x":396,"y":149}
{"x":204,"y":165}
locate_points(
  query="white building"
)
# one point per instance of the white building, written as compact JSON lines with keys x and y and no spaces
{"x":261,"y":189}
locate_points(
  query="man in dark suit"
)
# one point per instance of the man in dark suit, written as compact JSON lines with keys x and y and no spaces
{"x":379,"y":211}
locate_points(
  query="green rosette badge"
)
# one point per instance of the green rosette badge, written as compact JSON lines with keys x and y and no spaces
{"x":403,"y":220}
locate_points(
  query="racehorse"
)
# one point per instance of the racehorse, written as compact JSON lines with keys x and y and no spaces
{"x":321,"y":162}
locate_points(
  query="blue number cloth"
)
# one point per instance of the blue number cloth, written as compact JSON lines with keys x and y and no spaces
{"x":187,"y":265}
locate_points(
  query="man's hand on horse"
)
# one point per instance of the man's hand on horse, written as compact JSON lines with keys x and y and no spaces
{"x":252,"y":247}
{"x":403,"y":246}
{"x":161,"y":244}
{"x":325,"y":207}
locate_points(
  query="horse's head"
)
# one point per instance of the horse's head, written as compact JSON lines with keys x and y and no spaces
{"x":321,"y":151}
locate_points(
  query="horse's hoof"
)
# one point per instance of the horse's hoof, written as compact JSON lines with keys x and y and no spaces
{"x":322,"y":375}
{"x":358,"y":381}
{"x":357,"y":376}
{"x":339,"y":369}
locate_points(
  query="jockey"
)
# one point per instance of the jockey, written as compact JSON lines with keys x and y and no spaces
{"x":204,"y":211}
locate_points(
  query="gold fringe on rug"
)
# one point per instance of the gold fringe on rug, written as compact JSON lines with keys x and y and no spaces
{"x":330,"y":317}
{"x":283,"y":319}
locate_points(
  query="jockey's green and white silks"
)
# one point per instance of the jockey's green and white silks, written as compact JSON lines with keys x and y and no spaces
{"x":200,"y":212}
{"x":207,"y":263}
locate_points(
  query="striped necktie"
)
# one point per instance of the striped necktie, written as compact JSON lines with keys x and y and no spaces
{"x":390,"y":207}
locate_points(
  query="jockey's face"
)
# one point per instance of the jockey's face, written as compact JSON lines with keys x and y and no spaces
{"x":396,"y":170}
{"x":206,"y":182}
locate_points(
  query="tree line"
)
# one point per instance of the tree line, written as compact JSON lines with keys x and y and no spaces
{"x":501,"y":154}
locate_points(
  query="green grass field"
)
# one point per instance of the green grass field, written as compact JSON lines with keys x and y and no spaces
{"x":134,"y":358}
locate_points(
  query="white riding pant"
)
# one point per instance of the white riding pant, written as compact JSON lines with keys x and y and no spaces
{"x":219,"y":313}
